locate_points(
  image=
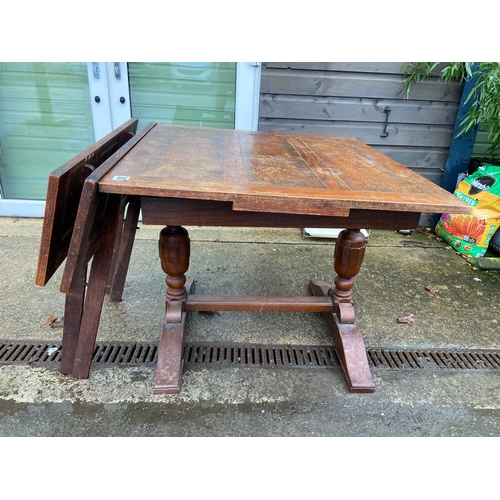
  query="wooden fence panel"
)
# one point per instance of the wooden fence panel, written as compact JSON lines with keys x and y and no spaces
{"x":357,"y":109}
{"x":360,"y":67}
{"x":344,"y":84}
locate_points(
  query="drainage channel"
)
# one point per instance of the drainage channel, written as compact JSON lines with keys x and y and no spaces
{"x":253,"y":355}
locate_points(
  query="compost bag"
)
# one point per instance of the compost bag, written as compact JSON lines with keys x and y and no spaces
{"x":471,"y":234}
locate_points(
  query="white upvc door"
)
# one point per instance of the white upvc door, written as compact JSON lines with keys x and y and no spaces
{"x":109,"y":95}
{"x":111,"y":99}
{"x":247,"y":96}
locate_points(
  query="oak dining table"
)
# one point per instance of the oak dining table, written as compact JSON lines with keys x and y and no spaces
{"x":182,"y":176}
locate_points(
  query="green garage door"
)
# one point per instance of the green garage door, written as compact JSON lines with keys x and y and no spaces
{"x":201,"y":94}
{"x":45,"y":119}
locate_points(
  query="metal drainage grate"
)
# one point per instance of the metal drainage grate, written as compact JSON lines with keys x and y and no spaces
{"x":469,"y":359}
{"x":275,"y":356}
{"x":256,"y":355}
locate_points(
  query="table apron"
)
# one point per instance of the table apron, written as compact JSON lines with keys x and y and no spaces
{"x":186,"y":212}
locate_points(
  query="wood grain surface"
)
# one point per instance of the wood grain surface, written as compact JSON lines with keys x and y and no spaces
{"x":273,"y":172}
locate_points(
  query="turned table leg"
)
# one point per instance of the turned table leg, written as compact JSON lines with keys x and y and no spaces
{"x":349,"y":253}
{"x":174,"y":248}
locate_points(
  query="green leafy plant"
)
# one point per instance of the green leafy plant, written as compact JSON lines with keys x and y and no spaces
{"x":484,"y":96}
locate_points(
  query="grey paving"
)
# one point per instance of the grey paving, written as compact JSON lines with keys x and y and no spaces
{"x":118,"y":401}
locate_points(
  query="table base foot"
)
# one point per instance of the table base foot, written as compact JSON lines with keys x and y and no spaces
{"x":171,"y":347}
{"x":170,"y":363}
{"x":348,"y":342}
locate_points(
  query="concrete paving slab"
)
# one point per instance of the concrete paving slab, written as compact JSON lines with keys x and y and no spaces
{"x":248,"y":402}
{"x":251,"y":401}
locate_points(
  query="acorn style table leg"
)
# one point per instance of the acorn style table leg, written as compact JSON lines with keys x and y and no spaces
{"x":174,"y":248}
{"x":349,"y":253}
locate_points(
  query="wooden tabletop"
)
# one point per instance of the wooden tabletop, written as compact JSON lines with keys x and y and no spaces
{"x":273,"y":172}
